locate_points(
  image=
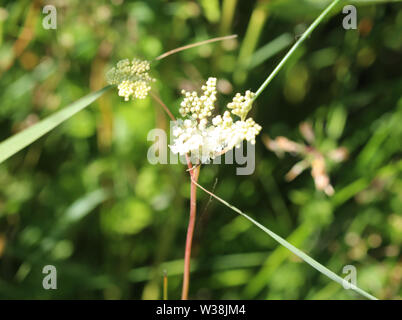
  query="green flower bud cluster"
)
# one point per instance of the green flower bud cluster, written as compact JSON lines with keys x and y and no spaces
{"x":132,"y":78}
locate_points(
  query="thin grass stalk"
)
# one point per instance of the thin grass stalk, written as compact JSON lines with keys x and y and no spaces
{"x":306,"y":258}
{"x":168,"y":53}
{"x":254,"y":29}
{"x":305,"y":35}
{"x":164,"y":106}
{"x":228,"y":9}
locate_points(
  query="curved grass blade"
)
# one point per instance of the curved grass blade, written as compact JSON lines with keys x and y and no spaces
{"x":316,"y":265}
{"x":19,"y":141}
{"x":305,"y":35}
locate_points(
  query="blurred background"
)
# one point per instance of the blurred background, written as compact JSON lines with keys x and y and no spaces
{"x":85,"y":199}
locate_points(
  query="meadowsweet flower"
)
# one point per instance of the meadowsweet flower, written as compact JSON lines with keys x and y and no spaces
{"x":204,"y":137}
{"x":241,"y":105}
{"x":312,"y":157}
{"x":199,"y":107}
{"x":132,"y":78}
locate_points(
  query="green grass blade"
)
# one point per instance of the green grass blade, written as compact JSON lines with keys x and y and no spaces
{"x":270,"y":49}
{"x":19,"y":141}
{"x":305,"y":35}
{"x":316,"y":265}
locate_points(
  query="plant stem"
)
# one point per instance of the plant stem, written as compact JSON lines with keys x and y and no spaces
{"x":190,"y":232}
{"x":164,"y":106}
{"x":194,"y":173}
{"x":172,"y":117}
{"x":305,"y":35}
{"x":164,"y":55}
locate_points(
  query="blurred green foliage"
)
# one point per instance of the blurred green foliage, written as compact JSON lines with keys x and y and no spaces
{"x":85,"y":199}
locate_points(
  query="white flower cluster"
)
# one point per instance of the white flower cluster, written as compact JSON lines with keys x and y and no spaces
{"x":199,"y":107}
{"x":204,"y":140}
{"x":241,"y":105}
{"x":132,"y":78}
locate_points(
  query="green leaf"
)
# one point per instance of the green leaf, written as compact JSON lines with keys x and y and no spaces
{"x":270,"y":49}
{"x":19,"y":141}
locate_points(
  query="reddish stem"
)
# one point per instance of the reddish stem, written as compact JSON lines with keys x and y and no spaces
{"x":190,"y":232}
{"x":194,"y":172}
